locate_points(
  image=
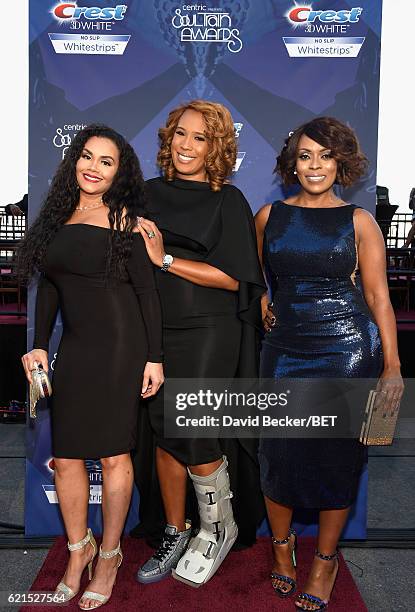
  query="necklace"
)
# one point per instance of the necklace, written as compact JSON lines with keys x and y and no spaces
{"x":97,"y":205}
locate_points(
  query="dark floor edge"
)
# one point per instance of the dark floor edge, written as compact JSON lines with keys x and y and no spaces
{"x":21,"y":541}
{"x":376,"y":538}
{"x":383,"y":538}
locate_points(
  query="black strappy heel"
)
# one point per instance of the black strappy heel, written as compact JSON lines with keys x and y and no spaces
{"x":313,"y":599}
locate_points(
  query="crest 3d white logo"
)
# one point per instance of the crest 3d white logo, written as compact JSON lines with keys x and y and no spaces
{"x":70,"y":10}
{"x":303,"y":15}
{"x":205,"y":27}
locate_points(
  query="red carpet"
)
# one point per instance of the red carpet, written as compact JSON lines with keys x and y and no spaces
{"x":241,"y":583}
{"x":17,"y":319}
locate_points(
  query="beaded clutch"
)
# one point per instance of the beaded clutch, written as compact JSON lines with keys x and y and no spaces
{"x":379,"y":422}
{"x":40,"y":388}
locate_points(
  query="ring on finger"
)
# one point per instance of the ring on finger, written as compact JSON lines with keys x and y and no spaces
{"x":151,"y":234}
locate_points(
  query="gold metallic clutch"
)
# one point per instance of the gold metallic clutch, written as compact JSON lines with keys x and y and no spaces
{"x":379,"y":422}
{"x":39,"y":389}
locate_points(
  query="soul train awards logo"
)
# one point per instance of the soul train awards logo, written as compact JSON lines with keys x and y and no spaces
{"x":238,"y":128}
{"x":201,"y":35}
{"x":94,"y":469}
{"x":240,"y":154}
{"x":327,"y":27}
{"x":63,"y":137}
{"x":207,"y":27}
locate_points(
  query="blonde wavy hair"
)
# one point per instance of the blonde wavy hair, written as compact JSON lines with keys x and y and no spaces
{"x":220,"y":135}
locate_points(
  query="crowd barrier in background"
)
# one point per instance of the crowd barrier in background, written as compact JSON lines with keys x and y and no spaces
{"x":273,"y":63}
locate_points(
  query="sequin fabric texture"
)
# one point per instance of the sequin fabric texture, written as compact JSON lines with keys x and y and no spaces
{"x":323,"y":329}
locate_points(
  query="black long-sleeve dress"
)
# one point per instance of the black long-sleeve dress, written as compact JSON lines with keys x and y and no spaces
{"x":108,"y":336}
{"x":207,"y":332}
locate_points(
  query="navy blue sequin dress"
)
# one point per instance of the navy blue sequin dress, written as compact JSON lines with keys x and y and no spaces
{"x":323,"y":329}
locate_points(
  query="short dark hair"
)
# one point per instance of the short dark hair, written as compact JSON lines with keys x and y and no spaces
{"x":331,"y":134}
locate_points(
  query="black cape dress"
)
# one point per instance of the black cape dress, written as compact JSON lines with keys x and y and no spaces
{"x":207,"y":333}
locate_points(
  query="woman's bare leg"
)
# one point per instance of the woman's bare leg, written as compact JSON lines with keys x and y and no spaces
{"x":117,"y":476}
{"x":72,"y":487}
{"x":323,"y":573}
{"x":280,"y":518}
{"x":173,"y":478}
{"x":205,"y":469}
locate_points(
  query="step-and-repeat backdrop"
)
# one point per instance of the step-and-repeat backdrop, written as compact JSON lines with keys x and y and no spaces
{"x":273,"y":63}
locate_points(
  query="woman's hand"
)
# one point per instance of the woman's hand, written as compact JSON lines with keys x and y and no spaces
{"x":391,"y":387}
{"x":32,"y":358}
{"x":153,"y":240}
{"x":268,"y":318}
{"x":153,"y":378}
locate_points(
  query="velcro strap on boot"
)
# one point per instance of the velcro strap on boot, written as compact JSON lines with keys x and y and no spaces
{"x":207,"y":548}
{"x":209,"y":497}
{"x":211,"y":524}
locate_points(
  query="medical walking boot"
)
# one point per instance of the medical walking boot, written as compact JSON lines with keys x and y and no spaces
{"x":218,"y":530}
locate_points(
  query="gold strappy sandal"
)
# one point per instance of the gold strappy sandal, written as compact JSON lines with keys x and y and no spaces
{"x":98,"y":597}
{"x":62,"y":588}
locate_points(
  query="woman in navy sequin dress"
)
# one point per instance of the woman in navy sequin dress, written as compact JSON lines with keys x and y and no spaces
{"x":320,"y":325}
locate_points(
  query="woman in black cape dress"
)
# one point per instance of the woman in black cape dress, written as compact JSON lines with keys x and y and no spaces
{"x":207,"y":333}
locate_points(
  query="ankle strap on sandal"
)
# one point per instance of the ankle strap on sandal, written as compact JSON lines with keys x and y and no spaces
{"x":81,"y":543}
{"x":285,"y":540}
{"x":109,"y":554}
{"x":326,"y":557}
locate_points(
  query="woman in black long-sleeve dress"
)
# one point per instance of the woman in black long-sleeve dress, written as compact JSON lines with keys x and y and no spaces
{"x":210,"y":282}
{"x":95,"y":269}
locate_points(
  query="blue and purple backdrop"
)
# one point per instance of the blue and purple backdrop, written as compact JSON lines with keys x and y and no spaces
{"x":274,"y":63}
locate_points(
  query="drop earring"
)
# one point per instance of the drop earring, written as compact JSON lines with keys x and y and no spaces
{"x":295,"y":172}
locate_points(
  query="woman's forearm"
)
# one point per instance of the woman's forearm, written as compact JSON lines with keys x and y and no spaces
{"x":47,"y":304}
{"x":202,"y":274}
{"x":384,"y":316}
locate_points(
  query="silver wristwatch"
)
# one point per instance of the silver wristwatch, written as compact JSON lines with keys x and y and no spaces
{"x":167,"y":261}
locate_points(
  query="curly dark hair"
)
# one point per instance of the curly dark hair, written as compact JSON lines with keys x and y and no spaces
{"x":125,"y":199}
{"x":220,"y":134}
{"x":331,"y":134}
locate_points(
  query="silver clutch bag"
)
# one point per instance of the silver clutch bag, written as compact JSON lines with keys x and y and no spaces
{"x":39,"y":389}
{"x":379,"y":422}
